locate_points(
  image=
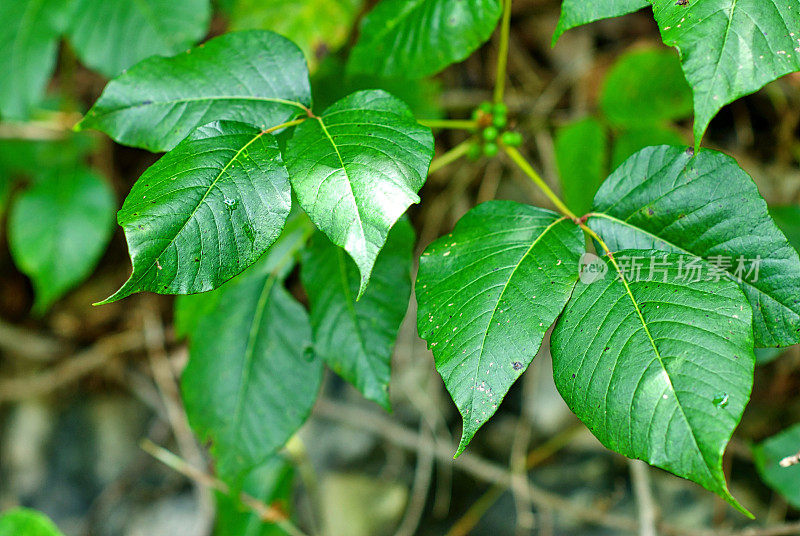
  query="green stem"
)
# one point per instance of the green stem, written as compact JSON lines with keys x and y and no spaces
{"x":450,"y":156}
{"x":452,"y":124}
{"x":502,"y":56}
{"x":538,"y":181}
{"x":287,"y":124}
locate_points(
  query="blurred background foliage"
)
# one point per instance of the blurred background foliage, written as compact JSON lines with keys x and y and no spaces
{"x":80,"y":387}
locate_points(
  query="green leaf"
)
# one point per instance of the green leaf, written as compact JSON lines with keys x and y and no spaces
{"x":768,"y":455}
{"x":658,"y":365}
{"x":205,"y":211}
{"x":788,"y":220}
{"x":133,"y":31}
{"x":632,"y":140}
{"x":356,"y":338}
{"x":730,"y":48}
{"x":58,"y":229}
{"x":271,"y":483}
{"x":581,"y":150}
{"x":190,"y":309}
{"x":316,"y":26}
{"x":357,"y":168}
{"x":579,"y":12}
{"x":251,"y":381}
{"x":26,"y":522}
{"x":646,"y":86}
{"x":29,"y":39}
{"x":417,"y":38}
{"x":487,"y":293}
{"x":667,"y":198}
{"x":255,"y":77}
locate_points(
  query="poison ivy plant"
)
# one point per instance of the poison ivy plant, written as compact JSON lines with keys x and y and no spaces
{"x":658,"y":366}
{"x":159,"y":101}
{"x":58,"y":228}
{"x":663,"y":345}
{"x":663,"y":368}
{"x":671,"y":199}
{"x":133,"y":31}
{"x":28,"y":44}
{"x":206,"y":211}
{"x":728,"y":48}
{"x":487,"y":295}
{"x":768,"y":455}
{"x":357,"y":168}
{"x":249,"y":387}
{"x":356,"y":338}
{"x":416,"y":38}
{"x":26,"y":522}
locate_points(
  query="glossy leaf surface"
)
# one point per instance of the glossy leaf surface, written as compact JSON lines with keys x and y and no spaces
{"x":486,"y":295}
{"x":667,"y":198}
{"x":416,"y":38}
{"x":579,"y":12}
{"x":205,"y":211}
{"x":658,"y":366}
{"x":356,"y":338}
{"x":357,"y":168}
{"x":256,"y":77}
{"x":730,"y":48}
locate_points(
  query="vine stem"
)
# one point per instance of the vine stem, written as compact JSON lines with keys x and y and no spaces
{"x":450,"y":156}
{"x":526,"y":168}
{"x":502,"y":56}
{"x":287,"y":124}
{"x":264,"y":511}
{"x":452,"y":124}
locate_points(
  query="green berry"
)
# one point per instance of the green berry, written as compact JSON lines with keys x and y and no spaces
{"x":500,"y":109}
{"x":474,"y":151}
{"x":490,"y":149}
{"x":512,"y":139}
{"x":486,"y":107}
{"x":500,"y":121}
{"x":490,"y":133}
{"x":475,"y":114}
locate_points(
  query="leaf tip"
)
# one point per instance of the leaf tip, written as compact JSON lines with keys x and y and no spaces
{"x":123,"y":292}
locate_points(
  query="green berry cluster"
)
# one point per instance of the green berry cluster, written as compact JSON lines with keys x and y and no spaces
{"x":492,"y":120}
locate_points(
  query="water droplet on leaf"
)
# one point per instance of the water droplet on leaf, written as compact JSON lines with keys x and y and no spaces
{"x":721,"y":400}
